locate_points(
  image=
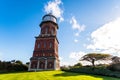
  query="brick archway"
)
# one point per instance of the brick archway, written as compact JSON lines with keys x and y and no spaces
{"x":34,"y":64}
{"x":50,"y":65}
{"x":42,"y":65}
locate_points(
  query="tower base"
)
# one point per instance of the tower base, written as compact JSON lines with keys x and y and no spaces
{"x":38,"y":64}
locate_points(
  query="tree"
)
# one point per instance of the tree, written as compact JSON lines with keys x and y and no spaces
{"x":19,"y":62}
{"x":27,"y":63}
{"x":92,"y":57}
{"x":13,"y":61}
{"x":78,"y":64}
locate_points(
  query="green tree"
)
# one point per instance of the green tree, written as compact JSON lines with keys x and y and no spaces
{"x":92,"y":57}
{"x":19,"y":62}
{"x":78,"y":64}
{"x":27,"y":63}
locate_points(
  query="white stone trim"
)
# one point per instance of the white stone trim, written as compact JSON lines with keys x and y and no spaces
{"x":45,"y":63}
{"x":55,"y":64}
{"x":29,"y":67}
{"x":38,"y":64}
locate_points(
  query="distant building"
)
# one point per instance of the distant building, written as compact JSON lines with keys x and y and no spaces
{"x":45,"y":54}
{"x":116,"y":59}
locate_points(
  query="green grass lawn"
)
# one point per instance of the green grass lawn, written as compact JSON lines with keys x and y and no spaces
{"x":52,"y":75}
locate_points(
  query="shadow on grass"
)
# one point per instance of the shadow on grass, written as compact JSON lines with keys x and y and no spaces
{"x":13,"y":72}
{"x":67,"y":74}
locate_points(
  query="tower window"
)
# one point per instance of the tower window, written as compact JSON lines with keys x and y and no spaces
{"x":50,"y":54}
{"x":50,"y":44}
{"x":43,"y":54}
{"x":44,"y":44}
{"x":38,"y":45}
{"x":52,"y":31}
{"x":36,"y":54}
{"x":42,"y":30}
{"x":46,"y":31}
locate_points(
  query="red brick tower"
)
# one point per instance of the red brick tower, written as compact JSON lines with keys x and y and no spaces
{"x":45,"y":54}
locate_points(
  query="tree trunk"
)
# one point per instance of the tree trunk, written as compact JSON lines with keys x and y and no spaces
{"x":93,"y":62}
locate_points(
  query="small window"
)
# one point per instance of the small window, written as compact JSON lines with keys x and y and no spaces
{"x":42,"y":30}
{"x":43,"y":54}
{"x":52,"y":31}
{"x":50,"y":54}
{"x":44,"y":44}
{"x":50,"y":65}
{"x":38,"y":45}
{"x":50,"y":44}
{"x":46,"y":31}
{"x":36,"y":54}
{"x":34,"y":66}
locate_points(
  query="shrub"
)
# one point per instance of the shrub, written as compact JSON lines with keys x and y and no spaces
{"x":64,"y":68}
{"x":78,"y":65}
{"x":12,"y":66}
{"x":114,"y":67}
{"x":94,"y":70}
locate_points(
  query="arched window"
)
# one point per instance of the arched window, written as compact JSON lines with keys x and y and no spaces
{"x":46,"y":30}
{"x":50,"y":65}
{"x":38,"y":45}
{"x":44,"y":44}
{"x":42,"y":65}
{"x":50,"y":44}
{"x":34,"y":65}
{"x":43,"y":54}
{"x":50,"y":54}
{"x":52,"y":31}
{"x":36,"y":54}
{"x":42,"y":30}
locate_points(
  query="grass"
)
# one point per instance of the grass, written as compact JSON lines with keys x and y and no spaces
{"x":52,"y":75}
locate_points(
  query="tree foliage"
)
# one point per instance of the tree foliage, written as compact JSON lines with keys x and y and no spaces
{"x":19,"y":62}
{"x":92,"y":57}
{"x":10,"y":66}
{"x":78,"y":64}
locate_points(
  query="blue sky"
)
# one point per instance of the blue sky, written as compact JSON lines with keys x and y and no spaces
{"x":84,"y":26}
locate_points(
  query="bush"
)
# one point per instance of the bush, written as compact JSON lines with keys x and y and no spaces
{"x":78,"y":65}
{"x":64,"y":68}
{"x":11,"y":67}
{"x":114,"y":67}
{"x":94,"y":70}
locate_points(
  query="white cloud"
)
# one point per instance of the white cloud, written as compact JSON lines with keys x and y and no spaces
{"x":75,"y":40}
{"x":77,"y":34}
{"x":63,"y":62}
{"x":60,"y":58}
{"x":76,"y":25}
{"x":76,"y":55}
{"x":106,"y":38}
{"x":54,"y":8}
{"x":117,"y":7}
{"x":85,"y":63}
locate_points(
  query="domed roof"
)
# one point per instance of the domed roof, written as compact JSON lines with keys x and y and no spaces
{"x":49,"y":17}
